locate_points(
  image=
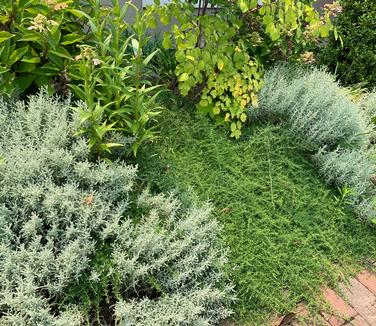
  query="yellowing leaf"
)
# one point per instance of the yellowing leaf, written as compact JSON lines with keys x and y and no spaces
{"x":216,"y":110}
{"x":220,"y":64}
{"x":183,"y":77}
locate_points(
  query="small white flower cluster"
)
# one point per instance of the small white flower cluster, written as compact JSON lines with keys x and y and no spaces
{"x":88,"y":53}
{"x":41,"y":24}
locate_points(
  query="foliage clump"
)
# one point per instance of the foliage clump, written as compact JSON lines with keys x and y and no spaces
{"x":287,"y":233}
{"x":88,"y":48}
{"x":352,"y":56}
{"x":222,"y":52}
{"x":77,"y":243}
{"x":368,"y":107}
{"x":37,"y":43}
{"x":312,"y":105}
{"x":350,"y":169}
{"x":318,"y":112}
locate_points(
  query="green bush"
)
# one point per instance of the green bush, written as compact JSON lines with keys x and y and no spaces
{"x":353,"y":56}
{"x":94,"y":52}
{"x":221,"y":53}
{"x":37,"y":43}
{"x":77,"y":243}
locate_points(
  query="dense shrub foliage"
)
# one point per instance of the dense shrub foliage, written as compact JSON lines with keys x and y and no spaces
{"x":368,"y":105}
{"x":91,"y":49}
{"x":220,"y":52}
{"x":352,"y":57}
{"x":110,"y":77}
{"x":314,"y":108}
{"x":77,"y":242}
{"x":312,"y":105}
{"x":37,"y":43}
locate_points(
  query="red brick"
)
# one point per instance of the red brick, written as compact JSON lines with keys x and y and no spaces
{"x":368,"y":280}
{"x":335,"y":321}
{"x":332,"y":320}
{"x":362,"y":300}
{"x":338,"y":305}
{"x":359,"y":321}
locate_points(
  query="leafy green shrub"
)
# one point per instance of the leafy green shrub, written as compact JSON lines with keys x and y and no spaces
{"x":110,"y":78}
{"x":220,"y":55}
{"x":352,"y":57}
{"x":313,"y":107}
{"x":77,"y":242}
{"x":37,"y":42}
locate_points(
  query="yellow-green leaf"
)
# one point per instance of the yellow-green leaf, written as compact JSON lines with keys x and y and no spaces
{"x":220,"y":64}
{"x":183,"y":77}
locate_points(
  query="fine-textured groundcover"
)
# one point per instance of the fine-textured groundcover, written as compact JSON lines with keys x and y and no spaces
{"x":287,"y":232}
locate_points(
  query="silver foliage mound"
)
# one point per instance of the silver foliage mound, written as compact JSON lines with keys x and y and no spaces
{"x":322,"y":116}
{"x":58,"y":209}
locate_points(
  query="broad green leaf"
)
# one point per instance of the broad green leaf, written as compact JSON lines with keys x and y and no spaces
{"x":71,"y":38}
{"x":149,"y":57}
{"x":54,"y":38}
{"x":180,"y":56}
{"x":216,"y":110}
{"x":243,"y":5}
{"x":30,"y":59}
{"x":30,"y":37}
{"x":78,"y":91}
{"x":5,"y":36}
{"x":61,"y":52}
{"x":23,"y":82}
{"x":183,"y":77}
{"x":135,"y":46}
{"x":17,"y":54}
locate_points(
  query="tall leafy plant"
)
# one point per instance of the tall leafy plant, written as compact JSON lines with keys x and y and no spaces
{"x":110,"y":78}
{"x":37,"y":42}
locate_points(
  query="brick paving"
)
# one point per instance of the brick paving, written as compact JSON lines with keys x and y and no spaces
{"x":354,"y":306}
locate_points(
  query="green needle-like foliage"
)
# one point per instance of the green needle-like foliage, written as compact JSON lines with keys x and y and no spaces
{"x":288,"y":235}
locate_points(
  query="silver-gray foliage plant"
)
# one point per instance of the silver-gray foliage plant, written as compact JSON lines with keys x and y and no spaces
{"x":368,"y":106}
{"x":312,"y":106}
{"x":350,"y":168}
{"x":56,"y":208}
{"x":319,"y":113}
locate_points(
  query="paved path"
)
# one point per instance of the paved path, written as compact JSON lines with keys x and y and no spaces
{"x":355,"y":306}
